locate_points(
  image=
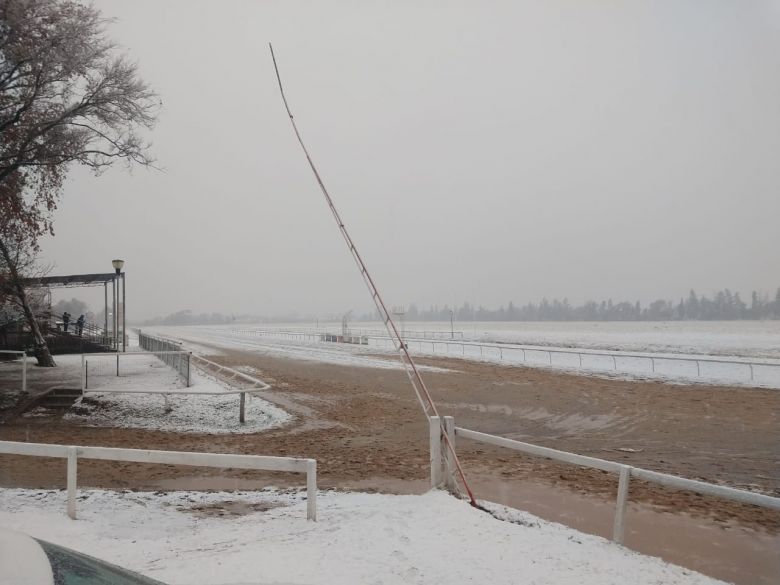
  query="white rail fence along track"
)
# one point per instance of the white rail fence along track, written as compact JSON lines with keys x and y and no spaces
{"x":217,"y":460}
{"x":738,"y":370}
{"x":23,"y":356}
{"x":442,"y":474}
{"x":700,"y":366}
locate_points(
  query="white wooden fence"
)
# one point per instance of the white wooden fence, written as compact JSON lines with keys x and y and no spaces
{"x":745,"y":369}
{"x":23,"y":355}
{"x":742,"y":370}
{"x":442,"y":472}
{"x":218,"y":460}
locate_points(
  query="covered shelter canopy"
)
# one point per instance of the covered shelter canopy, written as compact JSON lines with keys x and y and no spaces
{"x":70,"y":281}
{"x":116,"y":279}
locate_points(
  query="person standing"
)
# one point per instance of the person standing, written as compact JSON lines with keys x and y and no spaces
{"x":80,"y":324}
{"x":65,"y":321}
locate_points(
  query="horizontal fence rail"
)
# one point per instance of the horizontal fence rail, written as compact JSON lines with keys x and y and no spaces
{"x":231,"y":375}
{"x":23,"y":356}
{"x":356,"y":331}
{"x":443,"y":474}
{"x":741,"y":370}
{"x":226,"y":373}
{"x":521,"y":354}
{"x":217,"y":460}
{"x":207,"y":366}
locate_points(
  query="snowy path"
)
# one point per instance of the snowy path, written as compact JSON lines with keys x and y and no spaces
{"x":181,"y":538}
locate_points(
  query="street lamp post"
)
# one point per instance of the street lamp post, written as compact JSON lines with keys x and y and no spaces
{"x":452,"y":326}
{"x":118,"y":264}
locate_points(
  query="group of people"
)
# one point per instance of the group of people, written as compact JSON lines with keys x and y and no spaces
{"x":79,"y":323}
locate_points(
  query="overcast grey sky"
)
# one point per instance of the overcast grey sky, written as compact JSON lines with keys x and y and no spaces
{"x":484,"y":151}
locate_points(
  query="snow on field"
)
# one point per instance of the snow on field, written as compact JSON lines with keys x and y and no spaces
{"x":148,"y":394}
{"x":181,"y":413}
{"x":630,"y":365}
{"x":754,"y":339}
{"x":263,"y":537}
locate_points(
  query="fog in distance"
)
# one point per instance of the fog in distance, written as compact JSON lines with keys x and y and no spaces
{"x":478,"y":151}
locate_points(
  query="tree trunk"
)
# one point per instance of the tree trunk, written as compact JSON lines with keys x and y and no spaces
{"x":42,"y":353}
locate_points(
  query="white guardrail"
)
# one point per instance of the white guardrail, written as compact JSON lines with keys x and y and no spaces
{"x":218,"y":460}
{"x":515,"y":353}
{"x":442,"y":470}
{"x":23,"y":355}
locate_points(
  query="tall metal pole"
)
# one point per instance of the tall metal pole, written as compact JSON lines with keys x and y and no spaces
{"x":124,"y":313}
{"x":105,"y":300}
{"x":421,"y":390}
{"x":113,"y":317}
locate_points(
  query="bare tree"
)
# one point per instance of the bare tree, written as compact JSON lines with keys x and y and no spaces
{"x":67,"y":96}
{"x":17,"y":262}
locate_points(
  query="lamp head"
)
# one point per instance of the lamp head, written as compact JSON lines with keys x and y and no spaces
{"x":118,"y":264}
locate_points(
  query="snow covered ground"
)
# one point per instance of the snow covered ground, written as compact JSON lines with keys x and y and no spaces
{"x":179,"y":413}
{"x":148,"y":394}
{"x":752,"y":339}
{"x":263,"y":537}
{"x":632,"y":361}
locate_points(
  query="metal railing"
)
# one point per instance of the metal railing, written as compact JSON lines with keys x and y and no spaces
{"x":206,"y":366}
{"x":231,"y":375}
{"x":23,"y":355}
{"x":355,"y":331}
{"x":169,"y":352}
{"x":522,"y":352}
{"x":443,"y":474}
{"x":409,"y":333}
{"x":178,"y":360}
{"x":747,"y":370}
{"x":88,"y":331}
{"x":217,"y":460}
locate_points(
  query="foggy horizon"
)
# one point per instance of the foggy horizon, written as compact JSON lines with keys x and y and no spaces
{"x":485,"y":153}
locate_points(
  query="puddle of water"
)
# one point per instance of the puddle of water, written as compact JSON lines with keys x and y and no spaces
{"x":732,"y":553}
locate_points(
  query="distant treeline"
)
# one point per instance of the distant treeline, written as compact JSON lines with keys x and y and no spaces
{"x":187,"y":317}
{"x":724,"y":305}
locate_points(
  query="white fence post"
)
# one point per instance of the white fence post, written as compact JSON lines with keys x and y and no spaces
{"x":24,"y":372}
{"x":434,"y":425}
{"x":311,"y":490}
{"x":620,"y":505}
{"x":71,"y":482}
{"x":449,"y":459}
